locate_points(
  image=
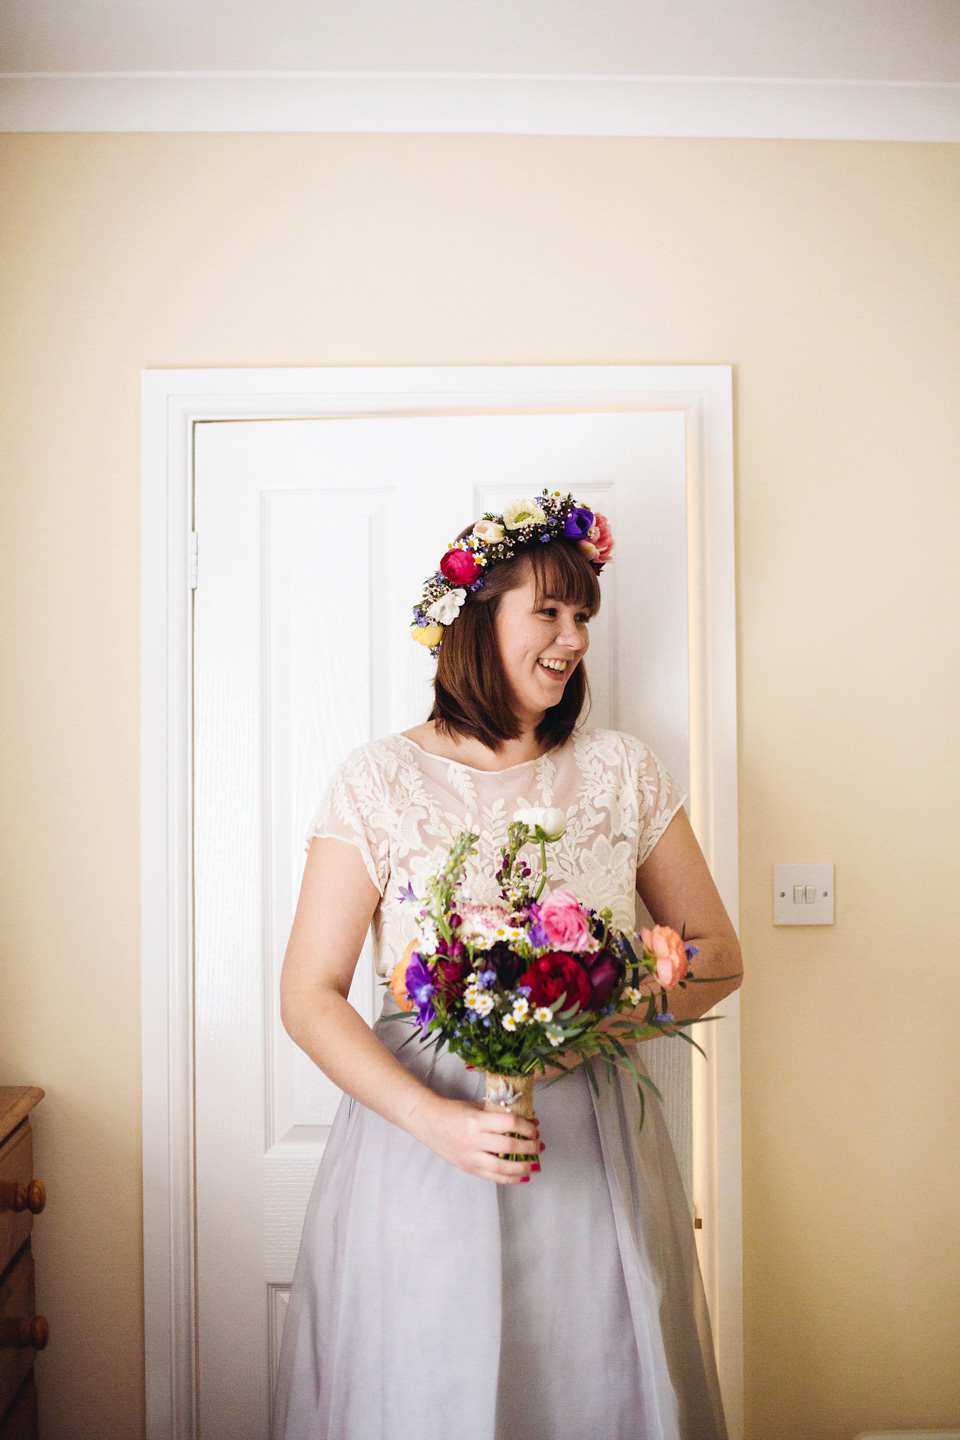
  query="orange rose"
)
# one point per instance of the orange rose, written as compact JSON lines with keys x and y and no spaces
{"x":398,"y":978}
{"x":668,"y":951}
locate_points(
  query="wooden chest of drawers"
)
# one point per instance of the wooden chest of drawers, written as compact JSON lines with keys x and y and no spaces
{"x":22,"y":1331}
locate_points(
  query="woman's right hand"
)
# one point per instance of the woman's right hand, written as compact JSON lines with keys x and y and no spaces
{"x":472,"y":1138}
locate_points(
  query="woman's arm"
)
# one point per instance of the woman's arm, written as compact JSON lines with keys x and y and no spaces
{"x":336,"y":904}
{"x":678,"y":890}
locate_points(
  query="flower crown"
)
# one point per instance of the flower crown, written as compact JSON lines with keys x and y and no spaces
{"x":495,"y":538}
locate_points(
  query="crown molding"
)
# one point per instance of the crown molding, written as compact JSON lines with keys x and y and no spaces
{"x":398,"y":103}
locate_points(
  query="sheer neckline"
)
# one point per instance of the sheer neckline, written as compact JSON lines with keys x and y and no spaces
{"x":474,"y":769}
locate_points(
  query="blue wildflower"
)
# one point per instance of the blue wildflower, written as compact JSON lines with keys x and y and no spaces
{"x":664,"y":1019}
{"x":487,"y":978}
{"x":406,"y":892}
{"x":538,"y":936}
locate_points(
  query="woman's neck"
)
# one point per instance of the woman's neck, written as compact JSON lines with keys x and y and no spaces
{"x":471,"y":751}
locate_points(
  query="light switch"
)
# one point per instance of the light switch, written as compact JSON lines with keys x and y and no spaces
{"x":803,"y":894}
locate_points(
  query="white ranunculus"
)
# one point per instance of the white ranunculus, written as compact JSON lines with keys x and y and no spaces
{"x":522,"y":512}
{"x":551,"y":821}
{"x":447,"y":608}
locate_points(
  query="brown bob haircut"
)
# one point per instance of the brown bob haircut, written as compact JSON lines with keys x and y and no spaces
{"x":472,"y":694}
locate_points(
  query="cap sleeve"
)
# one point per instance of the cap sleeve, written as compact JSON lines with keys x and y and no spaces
{"x":659,"y":795}
{"x":354,"y":808}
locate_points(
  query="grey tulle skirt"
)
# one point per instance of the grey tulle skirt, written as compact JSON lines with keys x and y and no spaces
{"x":428,"y":1304}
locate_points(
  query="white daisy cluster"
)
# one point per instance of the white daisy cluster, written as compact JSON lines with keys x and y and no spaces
{"x":519,"y":1015}
{"x":543,"y":1014}
{"x":480,"y":1001}
{"x":632,"y":995}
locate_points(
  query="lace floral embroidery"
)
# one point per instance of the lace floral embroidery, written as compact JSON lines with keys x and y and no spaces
{"x":401,"y":807}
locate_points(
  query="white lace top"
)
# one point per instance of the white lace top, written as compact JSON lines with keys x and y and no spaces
{"x":401,"y":807}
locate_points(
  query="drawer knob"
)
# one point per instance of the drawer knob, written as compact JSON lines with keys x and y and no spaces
{"x":21,"y":1333}
{"x":30,"y":1196}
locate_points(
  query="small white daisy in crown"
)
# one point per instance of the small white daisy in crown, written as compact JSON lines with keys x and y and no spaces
{"x":551,"y":516}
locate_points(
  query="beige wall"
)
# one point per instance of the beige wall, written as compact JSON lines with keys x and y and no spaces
{"x":827,"y":274}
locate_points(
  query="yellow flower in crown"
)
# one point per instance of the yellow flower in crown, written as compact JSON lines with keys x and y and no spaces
{"x":428,"y":635}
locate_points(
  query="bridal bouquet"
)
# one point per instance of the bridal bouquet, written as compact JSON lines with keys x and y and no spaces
{"x":510,"y":985}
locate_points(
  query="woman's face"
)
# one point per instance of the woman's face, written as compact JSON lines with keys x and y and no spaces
{"x":540,"y":646}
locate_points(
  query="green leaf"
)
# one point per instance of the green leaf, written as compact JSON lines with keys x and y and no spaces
{"x":690,"y":1041}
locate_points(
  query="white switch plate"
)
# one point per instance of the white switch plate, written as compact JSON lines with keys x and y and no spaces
{"x":817,"y":912}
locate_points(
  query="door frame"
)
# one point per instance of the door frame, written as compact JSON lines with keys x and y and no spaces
{"x":173,"y":403}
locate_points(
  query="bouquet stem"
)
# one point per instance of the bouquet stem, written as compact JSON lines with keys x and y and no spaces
{"x":510,"y":1093}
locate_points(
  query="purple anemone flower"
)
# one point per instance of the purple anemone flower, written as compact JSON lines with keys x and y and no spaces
{"x":421,"y":989}
{"x":578,"y":522}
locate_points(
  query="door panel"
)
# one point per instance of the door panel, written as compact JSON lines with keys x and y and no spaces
{"x":314,"y":538}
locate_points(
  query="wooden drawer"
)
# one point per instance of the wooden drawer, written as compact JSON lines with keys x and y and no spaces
{"x":21,"y":1333}
{"x":20,"y":1421}
{"x":21,"y":1197}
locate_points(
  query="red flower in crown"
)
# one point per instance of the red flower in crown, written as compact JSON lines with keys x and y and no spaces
{"x":460,"y":567}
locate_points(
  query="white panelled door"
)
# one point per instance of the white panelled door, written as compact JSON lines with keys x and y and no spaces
{"x":314,"y":538}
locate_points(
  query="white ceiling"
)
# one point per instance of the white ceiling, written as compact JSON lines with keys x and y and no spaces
{"x":860,"y":40}
{"x":796,"y":69}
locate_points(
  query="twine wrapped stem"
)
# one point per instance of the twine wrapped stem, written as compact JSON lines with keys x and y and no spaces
{"x":512,"y":1094}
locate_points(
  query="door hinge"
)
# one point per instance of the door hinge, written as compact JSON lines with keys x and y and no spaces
{"x":192,"y":560}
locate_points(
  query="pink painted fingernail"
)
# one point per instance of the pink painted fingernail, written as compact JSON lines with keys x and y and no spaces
{"x":524,"y":1179}
{"x":535,"y":1165}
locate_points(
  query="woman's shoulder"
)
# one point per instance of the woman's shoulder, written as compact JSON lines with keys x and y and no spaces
{"x":372,"y":758}
{"x":611,"y":745}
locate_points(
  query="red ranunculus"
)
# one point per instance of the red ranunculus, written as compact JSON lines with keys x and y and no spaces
{"x":451,"y":977}
{"x":553,"y":974}
{"x":460,"y":567}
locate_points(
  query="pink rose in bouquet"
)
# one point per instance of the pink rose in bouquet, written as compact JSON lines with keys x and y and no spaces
{"x":669,"y":953}
{"x":565,"y":923}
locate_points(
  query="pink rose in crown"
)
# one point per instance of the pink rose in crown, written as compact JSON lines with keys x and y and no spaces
{"x":669,"y":952}
{"x":565,"y":924}
{"x":599,"y":536}
{"x":460,"y":567}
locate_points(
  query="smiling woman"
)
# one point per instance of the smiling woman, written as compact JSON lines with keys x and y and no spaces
{"x":405,"y":1234}
{"x":490,"y":682}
